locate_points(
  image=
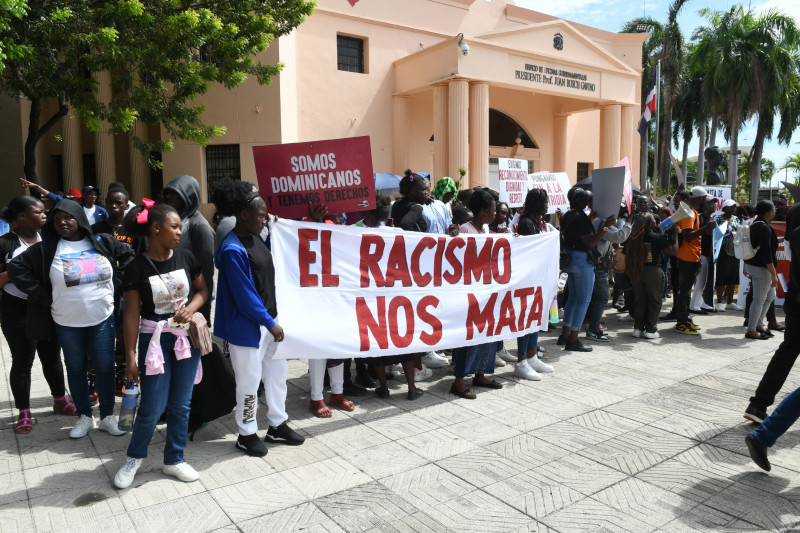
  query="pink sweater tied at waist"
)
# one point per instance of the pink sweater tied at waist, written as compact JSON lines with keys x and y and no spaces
{"x":154,"y":359}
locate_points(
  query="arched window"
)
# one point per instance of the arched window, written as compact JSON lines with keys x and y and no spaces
{"x":504,"y":131}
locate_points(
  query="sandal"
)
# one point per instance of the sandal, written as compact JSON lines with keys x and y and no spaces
{"x":24,"y":424}
{"x":64,"y":406}
{"x":320,"y":410}
{"x":489,"y":385}
{"x":467,"y":394}
{"x":340,"y":402}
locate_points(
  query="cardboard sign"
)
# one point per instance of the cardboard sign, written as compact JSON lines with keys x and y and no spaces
{"x":380,"y":292}
{"x":337,"y":173}
{"x":627,"y":190}
{"x":720,"y":194}
{"x":556,"y":184}
{"x":607,"y":187}
{"x":513,"y":181}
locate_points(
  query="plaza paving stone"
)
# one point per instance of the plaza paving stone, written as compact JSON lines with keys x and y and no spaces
{"x":635,"y":436}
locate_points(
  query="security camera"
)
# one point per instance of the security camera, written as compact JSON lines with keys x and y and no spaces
{"x":464,"y":48}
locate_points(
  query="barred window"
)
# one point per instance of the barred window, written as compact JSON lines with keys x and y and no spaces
{"x":350,"y":53}
{"x":222,"y":161}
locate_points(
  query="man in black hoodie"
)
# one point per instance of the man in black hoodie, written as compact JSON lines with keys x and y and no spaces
{"x":183,"y":193}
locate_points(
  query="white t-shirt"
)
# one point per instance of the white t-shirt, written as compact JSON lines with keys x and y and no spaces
{"x":83,"y":286}
{"x":90,"y":213}
{"x":9,"y":287}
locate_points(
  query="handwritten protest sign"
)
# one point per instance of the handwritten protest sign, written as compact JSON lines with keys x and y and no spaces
{"x":556,"y":184}
{"x":344,"y":291}
{"x":513,"y":180}
{"x":338,"y":173}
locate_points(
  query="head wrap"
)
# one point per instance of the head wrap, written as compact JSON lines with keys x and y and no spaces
{"x":443,"y":186}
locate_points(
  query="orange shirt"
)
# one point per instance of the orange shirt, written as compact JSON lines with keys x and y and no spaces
{"x":690,"y":250}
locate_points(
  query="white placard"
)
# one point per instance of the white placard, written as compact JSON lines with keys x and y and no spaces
{"x":556,"y":184}
{"x":513,"y":180}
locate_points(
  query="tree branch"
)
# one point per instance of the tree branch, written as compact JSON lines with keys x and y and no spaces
{"x":63,"y":109}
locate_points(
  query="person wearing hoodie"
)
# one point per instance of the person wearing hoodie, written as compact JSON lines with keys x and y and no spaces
{"x":183,"y":193}
{"x":246,"y":317}
{"x":71,"y":278}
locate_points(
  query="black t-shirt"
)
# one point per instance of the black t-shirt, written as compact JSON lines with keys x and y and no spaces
{"x":655,"y":242}
{"x":574,"y":224}
{"x":263,"y":270}
{"x":526,"y":226}
{"x":119,"y":233}
{"x":8,"y":243}
{"x":400,"y":209}
{"x":707,"y":238}
{"x":158,"y":301}
{"x":763,"y":237}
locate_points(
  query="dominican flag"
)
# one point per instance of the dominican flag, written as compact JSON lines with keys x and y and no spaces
{"x":649,"y":109}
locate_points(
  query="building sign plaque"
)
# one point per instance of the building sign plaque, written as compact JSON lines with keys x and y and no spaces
{"x":554,"y":76}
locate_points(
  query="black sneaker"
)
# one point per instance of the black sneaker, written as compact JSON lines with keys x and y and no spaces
{"x":251,"y":445}
{"x":669,"y":317}
{"x":577,"y":346}
{"x":758,"y":453}
{"x":755,"y":414}
{"x":561,"y":340}
{"x":354,"y":389}
{"x":366,"y":382}
{"x":600,"y":337}
{"x":283,"y":434}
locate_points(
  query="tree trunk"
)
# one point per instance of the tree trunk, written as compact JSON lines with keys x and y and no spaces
{"x":755,"y":161}
{"x":30,"y":142}
{"x":712,"y":138}
{"x":687,"y":137}
{"x":733,"y":156}
{"x":665,"y":150}
{"x":701,"y":156}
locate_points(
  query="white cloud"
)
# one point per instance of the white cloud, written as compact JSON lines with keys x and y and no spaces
{"x":787,"y":7}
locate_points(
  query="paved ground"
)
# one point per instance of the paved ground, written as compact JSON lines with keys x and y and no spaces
{"x":636,"y":436}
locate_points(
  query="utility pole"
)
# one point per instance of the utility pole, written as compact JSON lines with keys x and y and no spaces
{"x":658,"y":121}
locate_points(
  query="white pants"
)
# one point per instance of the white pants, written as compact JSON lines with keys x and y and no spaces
{"x":316,"y":374}
{"x":700,"y":284}
{"x":252,"y":365}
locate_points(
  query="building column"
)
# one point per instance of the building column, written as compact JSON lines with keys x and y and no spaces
{"x":440,"y":146}
{"x":610,"y":137}
{"x":72,"y":157}
{"x":104,"y":155}
{"x":626,"y":135}
{"x":479,"y":134}
{"x":560,"y":143}
{"x":140,"y":171}
{"x":400,"y":133}
{"x":458,"y":129}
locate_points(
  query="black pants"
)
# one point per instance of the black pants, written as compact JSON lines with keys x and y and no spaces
{"x":13,"y":313}
{"x":687,"y":274}
{"x":781,"y":363}
{"x":648,"y":290}
{"x":708,"y":288}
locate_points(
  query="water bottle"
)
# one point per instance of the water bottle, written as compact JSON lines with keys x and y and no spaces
{"x":554,"y":311}
{"x":127,"y":413}
{"x":562,"y":280}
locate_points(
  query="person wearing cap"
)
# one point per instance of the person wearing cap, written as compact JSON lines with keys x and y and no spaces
{"x":688,"y":260}
{"x":88,"y":198}
{"x":727,"y":264}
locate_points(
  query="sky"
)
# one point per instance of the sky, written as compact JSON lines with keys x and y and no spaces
{"x":611,"y":14}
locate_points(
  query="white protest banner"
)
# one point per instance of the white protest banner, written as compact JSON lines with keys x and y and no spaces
{"x":720,"y":194}
{"x":556,"y":184}
{"x":513,"y":181}
{"x":344,"y":291}
{"x":627,"y":190}
{"x":607,"y":187}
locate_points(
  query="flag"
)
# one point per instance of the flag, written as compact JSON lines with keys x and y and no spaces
{"x":649,"y":109}
{"x":352,"y":2}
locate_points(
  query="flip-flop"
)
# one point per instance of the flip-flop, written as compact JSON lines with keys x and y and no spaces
{"x":320,"y":410}
{"x":340,"y":402}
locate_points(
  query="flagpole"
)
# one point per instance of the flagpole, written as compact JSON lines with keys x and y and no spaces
{"x":658,"y":121}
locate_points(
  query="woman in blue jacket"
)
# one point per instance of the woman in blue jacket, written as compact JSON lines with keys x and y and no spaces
{"x":246,"y":316}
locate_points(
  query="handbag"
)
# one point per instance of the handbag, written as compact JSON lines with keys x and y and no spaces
{"x":199,"y":332}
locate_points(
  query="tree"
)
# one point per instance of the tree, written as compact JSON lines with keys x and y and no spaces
{"x":792,"y":163}
{"x":9,"y":10}
{"x":161,"y":55}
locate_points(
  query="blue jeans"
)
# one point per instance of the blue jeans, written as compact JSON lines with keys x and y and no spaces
{"x":171,"y":390}
{"x":779,"y":421}
{"x":599,"y":300}
{"x":98,"y":342}
{"x":580,"y":284}
{"x":527,"y":343}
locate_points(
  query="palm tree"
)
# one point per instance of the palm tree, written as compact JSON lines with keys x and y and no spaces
{"x":689,"y":115}
{"x":792,"y":163}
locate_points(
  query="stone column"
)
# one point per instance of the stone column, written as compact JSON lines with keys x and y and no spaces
{"x":104,"y":155}
{"x":72,"y":158}
{"x":560,"y":143}
{"x":458,"y":129}
{"x":629,"y":120}
{"x":610,"y":125}
{"x":400,"y":133}
{"x":140,"y":171}
{"x":440,"y":146}
{"x":479,"y":133}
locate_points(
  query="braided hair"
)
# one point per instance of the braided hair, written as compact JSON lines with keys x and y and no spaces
{"x":634,"y":248}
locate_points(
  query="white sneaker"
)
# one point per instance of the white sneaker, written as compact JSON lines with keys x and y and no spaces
{"x":109,"y":424}
{"x":82,"y":427}
{"x":626,"y":318}
{"x":720,"y":308}
{"x":125,"y":474}
{"x":649,"y":335}
{"x":637,"y":333}
{"x":733,"y":307}
{"x":498,"y":362}
{"x":523,"y":370}
{"x":538,"y":365}
{"x":422,"y":375}
{"x":506,"y":356}
{"x":431,"y":361}
{"x":182,"y":471}
{"x":441,"y":357}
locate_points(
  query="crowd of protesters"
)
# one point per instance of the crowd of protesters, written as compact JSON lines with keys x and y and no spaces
{"x":116,"y":287}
